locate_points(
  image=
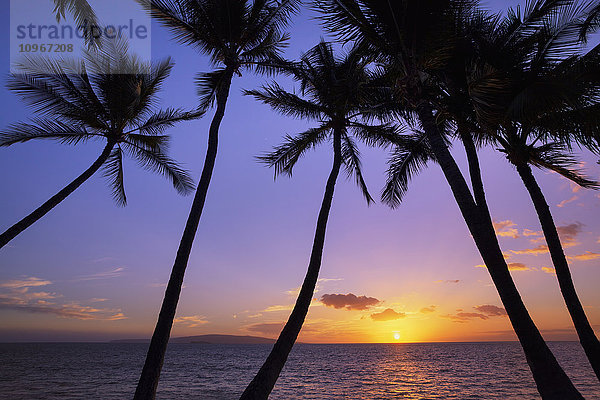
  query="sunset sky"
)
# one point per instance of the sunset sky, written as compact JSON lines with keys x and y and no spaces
{"x":91,"y":271}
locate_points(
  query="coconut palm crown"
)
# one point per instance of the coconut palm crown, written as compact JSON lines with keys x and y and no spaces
{"x":236,"y":35}
{"x":339,"y":94}
{"x":108,"y":96}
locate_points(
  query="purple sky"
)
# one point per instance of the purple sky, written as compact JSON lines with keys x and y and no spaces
{"x":100,"y":270}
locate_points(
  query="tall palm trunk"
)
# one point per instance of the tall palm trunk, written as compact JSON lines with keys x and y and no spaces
{"x":55,"y":200}
{"x":263,"y":383}
{"x":587,"y":338}
{"x":552,"y":382}
{"x":148,"y":383}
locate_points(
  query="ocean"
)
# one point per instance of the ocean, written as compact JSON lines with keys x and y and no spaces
{"x":330,"y":371}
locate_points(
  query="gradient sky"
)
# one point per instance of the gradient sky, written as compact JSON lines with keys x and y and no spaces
{"x":92,"y":271}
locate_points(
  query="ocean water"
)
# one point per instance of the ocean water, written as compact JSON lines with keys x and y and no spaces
{"x":354,"y":371}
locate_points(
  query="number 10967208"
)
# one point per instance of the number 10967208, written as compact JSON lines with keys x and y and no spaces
{"x":45,"y":48}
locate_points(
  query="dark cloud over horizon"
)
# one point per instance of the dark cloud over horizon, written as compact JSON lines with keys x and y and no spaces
{"x":349,"y":301}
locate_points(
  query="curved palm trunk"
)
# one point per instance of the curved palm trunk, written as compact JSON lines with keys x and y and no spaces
{"x":587,"y":338}
{"x":148,"y":383}
{"x":55,"y":200}
{"x":474,"y":170}
{"x":264,"y":381}
{"x":552,"y":382}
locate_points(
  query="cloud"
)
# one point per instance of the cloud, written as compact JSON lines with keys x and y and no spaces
{"x":265,"y":328}
{"x":484,"y":312}
{"x":72,"y":311}
{"x":113,"y":273}
{"x":575,"y":188}
{"x":103,"y":259}
{"x":465,"y":316}
{"x":587,"y":256}
{"x":506,"y":229}
{"x":565,"y":202}
{"x":516,"y":266}
{"x":428,"y":310}
{"x":570,"y":231}
{"x":448,"y":281}
{"x":541,"y":249}
{"x":529,"y":232}
{"x":25,"y":283}
{"x":568,"y":234}
{"x":288,"y":307}
{"x":16,"y":295}
{"x":513,"y":266}
{"x":387,"y":315}
{"x":192,"y":321}
{"x":490,"y":310}
{"x":549,"y":270}
{"x":349,"y":301}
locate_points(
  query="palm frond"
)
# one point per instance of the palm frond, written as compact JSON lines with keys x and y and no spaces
{"x":113,"y":171}
{"x":286,"y":103}
{"x":189,"y":21}
{"x":265,"y":57}
{"x":590,"y":24}
{"x":405,"y":162}
{"x":45,"y":129}
{"x":559,"y":35}
{"x":208,"y":85}
{"x":383,"y":135}
{"x":51,"y":87}
{"x":285,"y":156}
{"x":352,"y":164}
{"x":555,"y":157}
{"x":268,"y":18}
{"x":164,"y":119}
{"x":159,"y":143}
{"x":158,"y":162}
{"x":82,"y":13}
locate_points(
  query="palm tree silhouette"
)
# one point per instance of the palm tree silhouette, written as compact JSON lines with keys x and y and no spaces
{"x":237,"y":35}
{"x":337,"y":93}
{"x":540,"y":97}
{"x":415,"y":41}
{"x":107,"y":96}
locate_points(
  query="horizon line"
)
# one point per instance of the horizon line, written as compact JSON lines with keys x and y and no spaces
{"x":124,"y":341}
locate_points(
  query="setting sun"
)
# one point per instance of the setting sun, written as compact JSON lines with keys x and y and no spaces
{"x":396,"y":336}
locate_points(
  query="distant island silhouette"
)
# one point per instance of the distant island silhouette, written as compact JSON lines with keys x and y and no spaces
{"x":208,"y":339}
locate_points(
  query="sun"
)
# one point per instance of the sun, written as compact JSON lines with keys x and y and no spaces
{"x":396,"y":336}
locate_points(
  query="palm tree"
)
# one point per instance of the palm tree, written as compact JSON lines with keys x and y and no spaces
{"x":335,"y":92}
{"x":554,"y":157}
{"x":545,"y":96}
{"x":80,"y":101}
{"x":237,"y":35}
{"x":415,"y":40}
